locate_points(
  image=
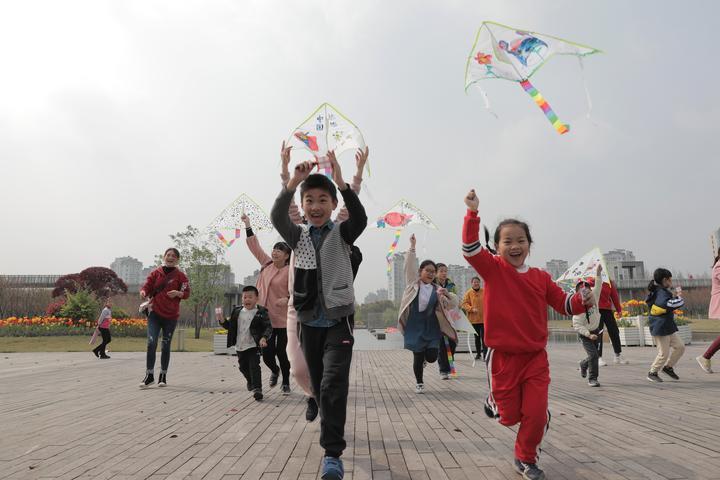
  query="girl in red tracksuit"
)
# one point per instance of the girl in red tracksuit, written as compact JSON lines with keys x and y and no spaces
{"x":516,"y":331}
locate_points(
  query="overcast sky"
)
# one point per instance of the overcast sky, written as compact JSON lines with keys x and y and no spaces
{"x":123,"y":122}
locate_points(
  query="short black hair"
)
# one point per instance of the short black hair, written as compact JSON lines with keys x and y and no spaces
{"x":439,"y":265}
{"x":475,"y":278}
{"x":250,"y":288}
{"x":174,"y":250}
{"x":318,"y":180}
{"x":425,"y":263}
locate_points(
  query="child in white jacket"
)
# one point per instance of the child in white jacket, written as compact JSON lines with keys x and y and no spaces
{"x":588,"y":327}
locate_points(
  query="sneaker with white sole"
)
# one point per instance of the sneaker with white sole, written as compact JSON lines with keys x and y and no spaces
{"x":420,"y":388}
{"x":529,"y":471}
{"x":593,"y":383}
{"x":704,"y":364}
{"x":444,"y":376}
{"x":601,"y":362}
{"x":620,"y":360}
{"x":148,"y":380}
{"x":162,"y":381}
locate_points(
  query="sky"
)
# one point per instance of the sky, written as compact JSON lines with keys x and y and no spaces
{"x":123,"y":122}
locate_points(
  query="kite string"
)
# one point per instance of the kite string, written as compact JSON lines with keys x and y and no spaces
{"x":584,"y":82}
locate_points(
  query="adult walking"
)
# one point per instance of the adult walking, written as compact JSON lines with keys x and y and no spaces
{"x":609,"y":298}
{"x":472,"y":305}
{"x":272,"y":283}
{"x":165,"y":287}
{"x":714,"y":312}
{"x":103,"y":327}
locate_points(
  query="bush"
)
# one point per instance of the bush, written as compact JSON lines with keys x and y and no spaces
{"x":80,"y":306}
{"x":54,"y":308}
{"x":119,"y":313}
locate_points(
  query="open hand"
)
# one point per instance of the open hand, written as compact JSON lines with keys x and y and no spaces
{"x":285,"y":156}
{"x":472,"y":201}
{"x":361,"y":159}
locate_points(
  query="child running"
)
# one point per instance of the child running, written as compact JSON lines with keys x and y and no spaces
{"x":589,"y":328}
{"x":442,"y":280}
{"x":713,"y":312}
{"x":323,"y":294}
{"x":422,"y":318}
{"x":663,"y":302}
{"x":249,"y":329}
{"x":516,"y":331}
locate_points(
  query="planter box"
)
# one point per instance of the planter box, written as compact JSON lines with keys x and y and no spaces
{"x":220,"y":345}
{"x":629,"y":336}
{"x":684,"y":332}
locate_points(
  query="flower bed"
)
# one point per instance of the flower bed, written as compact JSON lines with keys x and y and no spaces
{"x":53,"y":326}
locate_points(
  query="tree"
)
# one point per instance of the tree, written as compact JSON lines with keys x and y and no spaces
{"x":100,"y":281}
{"x":204,"y":263}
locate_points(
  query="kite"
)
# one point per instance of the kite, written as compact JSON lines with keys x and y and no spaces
{"x":228,"y":226}
{"x":324,"y":130}
{"x":506,"y":53}
{"x":462,"y":325}
{"x":402,"y":214}
{"x":584,"y":268}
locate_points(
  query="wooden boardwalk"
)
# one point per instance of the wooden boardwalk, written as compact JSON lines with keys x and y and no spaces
{"x":67,"y":416}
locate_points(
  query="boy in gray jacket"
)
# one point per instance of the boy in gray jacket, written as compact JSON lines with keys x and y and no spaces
{"x":323,"y":293}
{"x":588,"y":327}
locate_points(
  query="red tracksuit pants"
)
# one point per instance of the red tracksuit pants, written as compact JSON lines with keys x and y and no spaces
{"x":519,"y":394}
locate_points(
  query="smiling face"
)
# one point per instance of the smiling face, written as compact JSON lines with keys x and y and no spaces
{"x":442,"y":274}
{"x":249,"y":300}
{"x":170,"y":259}
{"x":279,"y":257}
{"x":318,"y":205}
{"x":475,"y":284}
{"x":427,"y":273}
{"x":514,"y":245}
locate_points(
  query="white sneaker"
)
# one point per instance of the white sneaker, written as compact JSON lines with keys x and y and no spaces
{"x":620,"y":360}
{"x":704,"y":364}
{"x":602,"y":363}
{"x":445,"y":376}
{"x":419,"y":388}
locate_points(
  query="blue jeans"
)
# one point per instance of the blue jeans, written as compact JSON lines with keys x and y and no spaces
{"x":155,"y":324}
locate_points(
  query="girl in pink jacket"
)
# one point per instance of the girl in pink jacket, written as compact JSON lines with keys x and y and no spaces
{"x":714,"y":312}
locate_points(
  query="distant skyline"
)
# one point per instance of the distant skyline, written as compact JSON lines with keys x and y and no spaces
{"x":124,"y":122}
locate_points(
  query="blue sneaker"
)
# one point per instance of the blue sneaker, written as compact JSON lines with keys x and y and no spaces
{"x":332,"y":469}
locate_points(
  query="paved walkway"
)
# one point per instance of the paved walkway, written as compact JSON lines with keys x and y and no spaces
{"x":66,"y":416}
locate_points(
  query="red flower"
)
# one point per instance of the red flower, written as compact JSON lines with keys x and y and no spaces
{"x":483,"y":59}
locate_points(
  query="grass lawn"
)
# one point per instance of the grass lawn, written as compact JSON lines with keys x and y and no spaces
{"x":118,"y":344}
{"x":698,"y":325}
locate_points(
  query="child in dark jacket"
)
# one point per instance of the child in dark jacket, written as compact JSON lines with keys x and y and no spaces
{"x":249,"y":329}
{"x":323,"y":293}
{"x":663,"y":302}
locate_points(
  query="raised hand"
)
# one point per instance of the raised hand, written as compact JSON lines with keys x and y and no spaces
{"x":301,"y":172}
{"x":285,"y":156}
{"x":246,"y":220}
{"x":336,"y":172}
{"x":413,"y":241}
{"x":361,"y":157}
{"x":472,"y":201}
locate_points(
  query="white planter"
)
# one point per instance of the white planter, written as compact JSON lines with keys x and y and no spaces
{"x":220,"y":345}
{"x":629,"y":336}
{"x":685,"y":333}
{"x":648,"y":339}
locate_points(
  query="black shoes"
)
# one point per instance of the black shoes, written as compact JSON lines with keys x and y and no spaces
{"x":285,"y":389}
{"x":96,"y":353}
{"x":529,"y":471}
{"x":148,"y":380}
{"x":257,"y":394}
{"x":312,"y":409}
{"x":273,"y":379}
{"x":670,"y":373}
{"x":162,"y":381}
{"x":489,"y":411}
{"x":654,"y":377}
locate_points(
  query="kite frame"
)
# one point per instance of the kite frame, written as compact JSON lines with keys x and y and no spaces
{"x":542,"y":64}
{"x":210,"y":228}
{"x":403,"y":200}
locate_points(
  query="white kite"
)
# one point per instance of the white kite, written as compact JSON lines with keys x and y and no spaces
{"x":462,"y":325}
{"x":324,"y":130}
{"x":228,"y":226}
{"x":584,"y":268}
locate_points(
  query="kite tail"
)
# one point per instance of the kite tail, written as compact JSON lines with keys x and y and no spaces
{"x":545,"y":107}
{"x":393,"y":246}
{"x":451,"y":361}
{"x":587,"y":91}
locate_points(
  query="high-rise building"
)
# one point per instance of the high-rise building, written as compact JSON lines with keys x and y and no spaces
{"x":623,"y":266}
{"x":556,"y":267}
{"x":251,"y":279}
{"x":129,"y":269}
{"x":462,"y":276}
{"x":396,"y":278}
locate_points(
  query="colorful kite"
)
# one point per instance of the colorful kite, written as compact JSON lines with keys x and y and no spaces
{"x":324,"y":130}
{"x":228,"y":226}
{"x":584,"y":268}
{"x":462,"y":325}
{"x":402,"y":214}
{"x":504,"y":52}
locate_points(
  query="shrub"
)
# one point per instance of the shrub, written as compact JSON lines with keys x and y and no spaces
{"x":54,"y":308}
{"x":80,"y":306}
{"x":119,"y":313}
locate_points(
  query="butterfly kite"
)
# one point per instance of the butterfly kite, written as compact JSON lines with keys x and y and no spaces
{"x":506,"y":53}
{"x":324,"y":130}
{"x":402,"y":214}
{"x":584,"y":268}
{"x":228,"y":226}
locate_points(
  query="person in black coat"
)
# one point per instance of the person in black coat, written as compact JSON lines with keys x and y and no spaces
{"x":249,"y":329}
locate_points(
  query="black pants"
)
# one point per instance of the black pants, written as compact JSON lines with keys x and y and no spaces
{"x":419,"y":358}
{"x":607,"y":318}
{"x":106,"y":338}
{"x":156,"y":323}
{"x":591,"y":361}
{"x":442,"y":359}
{"x":277,"y":347}
{"x":480,"y":346}
{"x":249,"y":364}
{"x":328,"y":353}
